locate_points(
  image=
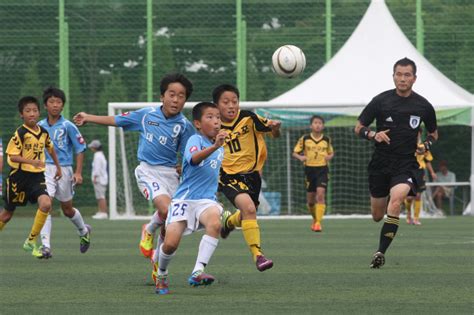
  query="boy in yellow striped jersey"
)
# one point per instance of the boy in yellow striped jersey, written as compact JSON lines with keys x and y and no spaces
{"x":315,"y":150}
{"x":26,"y":181}
{"x":424,"y":160}
{"x":245,"y":154}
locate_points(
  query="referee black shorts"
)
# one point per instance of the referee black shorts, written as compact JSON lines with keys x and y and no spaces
{"x":232,"y":185}
{"x":316,"y":176}
{"x":386,"y":172}
{"x":22,"y":187}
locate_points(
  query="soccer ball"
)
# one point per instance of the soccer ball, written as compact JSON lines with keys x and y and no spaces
{"x":288,"y":61}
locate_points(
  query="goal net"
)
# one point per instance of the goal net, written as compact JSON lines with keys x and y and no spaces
{"x":283,"y":189}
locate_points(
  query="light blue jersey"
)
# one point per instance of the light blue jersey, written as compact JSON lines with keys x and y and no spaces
{"x":66,"y":138}
{"x":199,"y":181}
{"x":160,"y":137}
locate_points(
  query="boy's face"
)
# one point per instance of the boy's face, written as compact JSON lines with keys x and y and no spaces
{"x":210,"y":122}
{"x":54,"y":106}
{"x":228,"y":105}
{"x":30,"y":114}
{"x":173,"y":99}
{"x":317,"y":125}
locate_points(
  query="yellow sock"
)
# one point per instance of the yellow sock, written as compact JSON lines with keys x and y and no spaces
{"x":312,"y":211}
{"x":417,"y":209}
{"x":40,"y":218}
{"x":251,"y":233}
{"x":235,"y":220}
{"x":2,"y":224}
{"x":408,"y":203}
{"x":320,"y":209}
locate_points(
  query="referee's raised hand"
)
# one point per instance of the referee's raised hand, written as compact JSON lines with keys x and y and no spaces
{"x":382,"y":136}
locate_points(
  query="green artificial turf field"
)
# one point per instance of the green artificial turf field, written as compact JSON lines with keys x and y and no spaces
{"x":429,"y":269}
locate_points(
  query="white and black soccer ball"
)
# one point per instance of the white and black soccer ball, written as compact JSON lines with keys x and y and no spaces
{"x":288,"y":61}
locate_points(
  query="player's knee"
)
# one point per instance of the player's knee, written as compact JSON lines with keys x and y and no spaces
{"x":311,"y":204}
{"x":377,"y":217}
{"x":213,"y":228}
{"x":44,"y":204}
{"x":320,"y":199}
{"x":5,"y":216}
{"x":169,"y":248}
{"x":68,"y":211}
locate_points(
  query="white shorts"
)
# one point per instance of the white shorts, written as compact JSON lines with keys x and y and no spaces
{"x":156,"y":180}
{"x":190,"y":211}
{"x":99,"y":191}
{"x":63,"y":189}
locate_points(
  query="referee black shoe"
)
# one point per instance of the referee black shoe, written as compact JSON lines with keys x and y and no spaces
{"x":377,"y":261}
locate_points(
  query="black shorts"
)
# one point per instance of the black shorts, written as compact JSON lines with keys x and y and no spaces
{"x":233,"y":185}
{"x":386,"y":172}
{"x":21,"y":187}
{"x":316,"y":176}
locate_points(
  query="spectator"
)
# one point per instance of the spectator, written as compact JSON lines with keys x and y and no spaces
{"x":443,"y":176}
{"x":1,"y":167}
{"x":100,"y":178}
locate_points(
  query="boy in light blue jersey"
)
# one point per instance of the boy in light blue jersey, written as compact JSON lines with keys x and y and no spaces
{"x":67,"y":141}
{"x":163,"y":132}
{"x":194,"y":205}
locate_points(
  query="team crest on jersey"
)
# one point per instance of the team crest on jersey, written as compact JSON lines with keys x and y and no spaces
{"x":125,"y":114}
{"x":193,"y":149}
{"x":414,"y":121}
{"x":80,"y":139}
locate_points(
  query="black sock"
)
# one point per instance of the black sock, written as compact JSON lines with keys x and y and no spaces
{"x":388,"y":232}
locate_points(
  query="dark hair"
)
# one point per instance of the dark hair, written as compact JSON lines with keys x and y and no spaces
{"x":405,"y":62}
{"x":53,"y":92}
{"x":219,"y":90}
{"x":176,"y":78}
{"x":199,"y":108}
{"x":25,"y":100}
{"x":443,"y":163}
{"x":316,"y":117}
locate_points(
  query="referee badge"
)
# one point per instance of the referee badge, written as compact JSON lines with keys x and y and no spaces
{"x":414,"y":121}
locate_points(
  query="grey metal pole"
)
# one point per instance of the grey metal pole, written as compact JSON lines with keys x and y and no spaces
{"x":288,"y":169}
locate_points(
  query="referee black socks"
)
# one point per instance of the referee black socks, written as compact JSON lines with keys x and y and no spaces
{"x":388,"y":232}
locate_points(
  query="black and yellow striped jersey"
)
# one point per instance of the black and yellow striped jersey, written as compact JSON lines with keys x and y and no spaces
{"x":30,"y":145}
{"x":245,"y":149}
{"x":423,"y":157}
{"x":314,"y":149}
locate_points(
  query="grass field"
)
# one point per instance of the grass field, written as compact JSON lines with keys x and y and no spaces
{"x":429,"y":269}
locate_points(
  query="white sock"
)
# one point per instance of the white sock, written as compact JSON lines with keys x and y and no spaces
{"x":46,"y":232}
{"x":206,"y":249}
{"x":161,"y":239}
{"x":78,"y":221}
{"x":154,"y":223}
{"x":164,"y":261}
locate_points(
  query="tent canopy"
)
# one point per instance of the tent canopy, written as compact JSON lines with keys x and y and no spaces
{"x":363,"y":68}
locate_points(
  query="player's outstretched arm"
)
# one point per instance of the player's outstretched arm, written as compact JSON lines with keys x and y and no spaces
{"x":301,"y":158}
{"x":275,"y":126}
{"x":199,"y":156}
{"x":20,"y":159}
{"x":82,"y":118}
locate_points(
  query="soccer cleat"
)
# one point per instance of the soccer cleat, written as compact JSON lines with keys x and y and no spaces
{"x":29,"y":246}
{"x":162,"y":285}
{"x":317,"y":227}
{"x":225,"y":229}
{"x":85,"y":240}
{"x":263,"y":263}
{"x":409,"y":220}
{"x":154,"y":273}
{"x":146,"y":242}
{"x":377,"y":261}
{"x":198,"y":278}
{"x":416,"y":222}
{"x":42,"y":252}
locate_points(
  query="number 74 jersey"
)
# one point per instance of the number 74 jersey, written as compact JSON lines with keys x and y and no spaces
{"x":245,"y":149}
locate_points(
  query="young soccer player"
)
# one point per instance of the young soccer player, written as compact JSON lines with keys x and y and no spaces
{"x":194,"y":205}
{"x":315,"y":150}
{"x":424,"y":159}
{"x":163,"y":131}
{"x":245,"y":154}
{"x":67,"y":140}
{"x":26,"y":182}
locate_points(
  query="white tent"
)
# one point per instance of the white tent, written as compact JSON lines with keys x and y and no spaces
{"x":362,"y":68}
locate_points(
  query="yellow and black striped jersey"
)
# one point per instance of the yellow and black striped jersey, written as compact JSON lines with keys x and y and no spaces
{"x":29,"y":144}
{"x":245,"y":149}
{"x":423,"y":158}
{"x":314,"y":149}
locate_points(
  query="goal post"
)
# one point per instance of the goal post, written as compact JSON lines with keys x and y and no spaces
{"x":283,"y":188}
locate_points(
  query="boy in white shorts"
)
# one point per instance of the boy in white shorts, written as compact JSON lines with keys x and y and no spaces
{"x":100,"y":178}
{"x":67,"y":140}
{"x":163,"y":131}
{"x":194,"y":205}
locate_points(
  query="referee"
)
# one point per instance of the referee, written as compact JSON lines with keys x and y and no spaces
{"x":392,"y":170}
